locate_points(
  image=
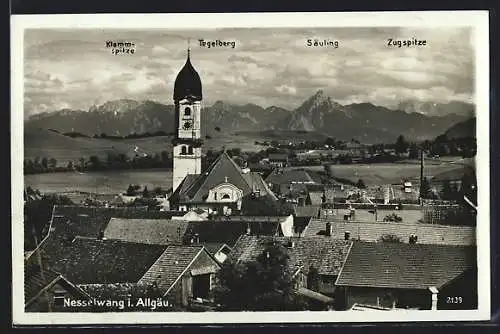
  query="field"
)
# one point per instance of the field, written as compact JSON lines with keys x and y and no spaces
{"x":377,"y":174}
{"x":44,"y":143}
{"x":112,"y":182}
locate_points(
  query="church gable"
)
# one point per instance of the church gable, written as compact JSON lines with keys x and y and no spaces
{"x":222,"y":172}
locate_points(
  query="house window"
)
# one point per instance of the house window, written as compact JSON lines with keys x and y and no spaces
{"x":187,"y":111}
{"x":183,"y":150}
{"x":201,"y":286}
{"x":190,"y":149}
{"x":59,"y":297}
{"x":215,"y":196}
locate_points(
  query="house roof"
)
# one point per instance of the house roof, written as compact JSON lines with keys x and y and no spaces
{"x":90,"y":221}
{"x":404,"y":266}
{"x":87,"y":260}
{"x":326,"y":255}
{"x":365,"y":231}
{"x":229,"y":232}
{"x":314,"y":295}
{"x":286,"y":176}
{"x":35,"y":282}
{"x":315,"y":197}
{"x":307,"y":211}
{"x":147,"y":231}
{"x":278,"y":156}
{"x":171,"y":265}
{"x":195,"y":188}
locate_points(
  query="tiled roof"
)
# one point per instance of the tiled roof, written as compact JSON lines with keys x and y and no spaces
{"x":90,"y":221}
{"x":87,"y":260}
{"x":35,"y":282}
{"x":147,"y":231}
{"x":307,"y":211}
{"x":315,"y":197}
{"x":326,"y":255}
{"x":229,"y":232}
{"x":223,"y":167}
{"x":173,"y":262}
{"x":426,"y":233}
{"x":405,"y":266}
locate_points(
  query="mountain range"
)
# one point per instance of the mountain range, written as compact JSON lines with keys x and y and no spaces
{"x":320,"y":114}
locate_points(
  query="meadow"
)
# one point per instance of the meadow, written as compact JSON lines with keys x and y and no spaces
{"x":377,"y":174}
{"x":107,"y":182}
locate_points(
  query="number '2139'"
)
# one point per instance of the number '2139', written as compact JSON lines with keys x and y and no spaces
{"x":454,"y":300}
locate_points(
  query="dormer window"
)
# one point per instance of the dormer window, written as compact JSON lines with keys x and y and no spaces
{"x":183,"y":150}
{"x":190,"y":150}
{"x":187,"y":111}
{"x":226,"y":196}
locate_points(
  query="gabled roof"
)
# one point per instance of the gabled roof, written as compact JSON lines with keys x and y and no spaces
{"x":85,"y":221}
{"x":172,"y":264}
{"x":405,"y":266}
{"x":36,"y":282}
{"x":307,"y":211}
{"x":326,"y":255}
{"x":365,"y":231}
{"x":87,"y":260}
{"x":195,"y":189}
{"x":146,"y":231}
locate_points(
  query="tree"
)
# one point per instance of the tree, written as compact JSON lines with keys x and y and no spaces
{"x":52,"y":163}
{"x":401,"y":145}
{"x":447,"y":192}
{"x":425,"y":189}
{"x":393,"y":218}
{"x":37,"y":215}
{"x":361,"y":184}
{"x":45,"y":163}
{"x":145,"y":192}
{"x":414,"y":152}
{"x":265,"y":284}
{"x":390,"y":238}
{"x":70,"y":165}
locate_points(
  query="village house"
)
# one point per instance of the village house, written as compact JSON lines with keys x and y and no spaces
{"x":45,"y":290}
{"x":410,"y":276}
{"x":278,"y":160}
{"x":315,"y":262}
{"x":405,"y":233}
{"x":181,"y":273}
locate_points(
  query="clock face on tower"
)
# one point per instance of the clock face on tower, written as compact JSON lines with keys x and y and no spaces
{"x":187,"y":125}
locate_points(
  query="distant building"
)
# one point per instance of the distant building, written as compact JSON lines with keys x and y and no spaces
{"x":278,"y":160}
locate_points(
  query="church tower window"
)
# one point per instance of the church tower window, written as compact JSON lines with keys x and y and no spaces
{"x":187,"y":111}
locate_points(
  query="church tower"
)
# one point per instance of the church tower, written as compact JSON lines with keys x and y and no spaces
{"x":187,"y":141}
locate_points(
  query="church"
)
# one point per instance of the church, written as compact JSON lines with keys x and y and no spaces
{"x":224,"y":188}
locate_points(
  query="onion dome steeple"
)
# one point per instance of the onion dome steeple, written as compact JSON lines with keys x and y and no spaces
{"x":187,"y":83}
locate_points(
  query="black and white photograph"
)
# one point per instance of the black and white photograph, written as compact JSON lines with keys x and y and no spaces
{"x":199,"y":168}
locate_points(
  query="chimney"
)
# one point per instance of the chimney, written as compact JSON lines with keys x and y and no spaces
{"x":329,"y":229}
{"x":347,"y":235}
{"x":434,"y":302}
{"x":249,"y":230}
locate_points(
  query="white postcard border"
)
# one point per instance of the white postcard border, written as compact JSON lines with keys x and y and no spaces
{"x":476,"y":19}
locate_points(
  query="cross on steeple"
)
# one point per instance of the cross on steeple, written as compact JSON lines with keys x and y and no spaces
{"x":189,"y":46}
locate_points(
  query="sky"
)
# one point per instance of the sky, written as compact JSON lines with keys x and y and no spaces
{"x":74,"y":69}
